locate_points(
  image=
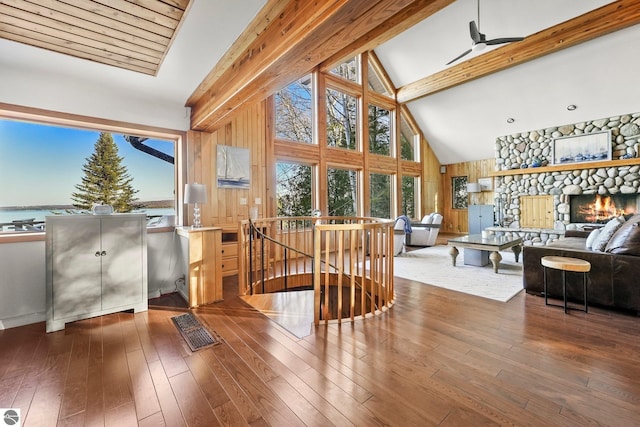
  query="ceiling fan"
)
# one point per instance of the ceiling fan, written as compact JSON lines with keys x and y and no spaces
{"x":480,"y":40}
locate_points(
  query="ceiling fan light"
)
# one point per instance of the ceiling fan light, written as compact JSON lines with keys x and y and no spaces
{"x":478,"y":46}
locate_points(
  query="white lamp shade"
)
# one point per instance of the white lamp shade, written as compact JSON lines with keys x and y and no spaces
{"x":473,"y":187}
{"x":195,"y":193}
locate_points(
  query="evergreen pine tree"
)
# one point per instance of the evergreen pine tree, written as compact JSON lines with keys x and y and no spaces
{"x":105,"y":180}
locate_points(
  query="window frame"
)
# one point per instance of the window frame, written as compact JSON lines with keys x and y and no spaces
{"x":359,"y":63}
{"x":314,"y":97}
{"x":381,"y":74}
{"x":359,"y":185}
{"x":335,"y":83}
{"x":392,"y":191}
{"x":417,"y":196}
{"x":417,"y":152}
{"x":359,"y":160}
{"x":48,"y":117}
{"x":393,"y":143}
{"x":314,"y":179}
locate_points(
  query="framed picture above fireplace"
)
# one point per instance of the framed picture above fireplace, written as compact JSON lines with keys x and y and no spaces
{"x":590,"y":147}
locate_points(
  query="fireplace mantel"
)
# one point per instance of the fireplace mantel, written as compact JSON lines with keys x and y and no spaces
{"x":586,"y":165}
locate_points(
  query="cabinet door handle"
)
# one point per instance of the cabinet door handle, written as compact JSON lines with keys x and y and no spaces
{"x":103,"y":253}
{"x":97,"y":253}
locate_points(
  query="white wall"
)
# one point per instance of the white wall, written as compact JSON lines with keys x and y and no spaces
{"x":73,"y":95}
{"x":23,"y":276}
{"x":22,"y":283}
{"x":39,"y":78}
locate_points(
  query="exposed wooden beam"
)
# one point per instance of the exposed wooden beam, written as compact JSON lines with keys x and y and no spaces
{"x":281,"y":34}
{"x":268,"y":14}
{"x":301,"y":37}
{"x":599,"y":22}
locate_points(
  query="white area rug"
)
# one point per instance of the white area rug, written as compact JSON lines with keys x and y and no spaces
{"x":433,"y":266}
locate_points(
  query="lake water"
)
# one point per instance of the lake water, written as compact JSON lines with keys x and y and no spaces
{"x":7,"y":216}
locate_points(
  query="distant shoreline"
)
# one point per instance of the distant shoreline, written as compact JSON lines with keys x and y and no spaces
{"x":37,"y":208}
{"x":138,"y":205}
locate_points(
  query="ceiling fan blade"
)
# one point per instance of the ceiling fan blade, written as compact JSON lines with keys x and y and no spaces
{"x":459,"y":56}
{"x":504,"y":40}
{"x":475,"y":34}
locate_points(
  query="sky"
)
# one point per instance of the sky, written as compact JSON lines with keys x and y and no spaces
{"x":41,"y":164}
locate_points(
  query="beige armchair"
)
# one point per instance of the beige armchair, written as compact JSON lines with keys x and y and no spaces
{"x":425,"y":232}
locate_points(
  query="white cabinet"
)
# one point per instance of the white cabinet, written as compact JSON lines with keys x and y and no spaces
{"x":96,"y":264}
{"x":480,"y":217}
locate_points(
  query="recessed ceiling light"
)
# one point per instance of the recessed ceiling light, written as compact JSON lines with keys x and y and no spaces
{"x":511,"y":120}
{"x":571,"y":107}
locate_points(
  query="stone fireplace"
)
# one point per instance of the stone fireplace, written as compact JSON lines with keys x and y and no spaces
{"x":598,"y":209}
{"x":524,"y":170}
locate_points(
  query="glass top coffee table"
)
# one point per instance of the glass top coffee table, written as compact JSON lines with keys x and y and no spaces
{"x":480,"y":250}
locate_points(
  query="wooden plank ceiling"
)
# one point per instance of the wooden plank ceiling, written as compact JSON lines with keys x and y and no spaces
{"x":130,"y":34}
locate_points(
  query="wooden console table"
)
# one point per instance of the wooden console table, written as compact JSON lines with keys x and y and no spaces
{"x":202,"y":253}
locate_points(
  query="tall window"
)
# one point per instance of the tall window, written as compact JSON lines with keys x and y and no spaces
{"x":409,"y":141}
{"x":408,"y":207}
{"x":342,"y":185}
{"x":379,"y":130}
{"x":44,"y":165}
{"x":344,"y":123}
{"x":380,"y":195}
{"x":294,"y":189}
{"x":294,"y":111}
{"x":342,"y":114}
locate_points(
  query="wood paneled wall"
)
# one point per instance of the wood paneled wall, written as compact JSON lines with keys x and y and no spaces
{"x":249,"y":129}
{"x":432,"y":182}
{"x":457,"y":220}
{"x":246,"y":129}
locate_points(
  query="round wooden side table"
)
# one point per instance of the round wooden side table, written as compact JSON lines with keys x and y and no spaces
{"x":566,"y":264}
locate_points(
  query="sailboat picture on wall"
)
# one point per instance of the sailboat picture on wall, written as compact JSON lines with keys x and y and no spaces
{"x":233,"y":167}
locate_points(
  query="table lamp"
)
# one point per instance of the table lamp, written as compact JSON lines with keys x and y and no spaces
{"x":472,"y":188}
{"x":195,"y":193}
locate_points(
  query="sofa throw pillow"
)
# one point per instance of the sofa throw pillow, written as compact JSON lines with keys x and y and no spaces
{"x":607,"y":231}
{"x":592,"y":237}
{"x":626,"y":241}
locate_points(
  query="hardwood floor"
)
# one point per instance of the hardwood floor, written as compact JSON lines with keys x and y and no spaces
{"x":436,"y":358}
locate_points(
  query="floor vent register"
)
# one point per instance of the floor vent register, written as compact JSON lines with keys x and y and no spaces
{"x":196,"y":335}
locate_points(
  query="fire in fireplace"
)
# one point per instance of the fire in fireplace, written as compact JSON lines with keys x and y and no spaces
{"x":596,"y":208}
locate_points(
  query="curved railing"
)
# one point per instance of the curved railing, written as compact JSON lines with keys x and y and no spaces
{"x":347,"y":261}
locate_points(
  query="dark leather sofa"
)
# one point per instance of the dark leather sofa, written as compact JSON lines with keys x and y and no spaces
{"x":614,"y":279}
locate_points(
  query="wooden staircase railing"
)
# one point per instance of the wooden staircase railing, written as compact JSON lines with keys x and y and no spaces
{"x":347,"y":261}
